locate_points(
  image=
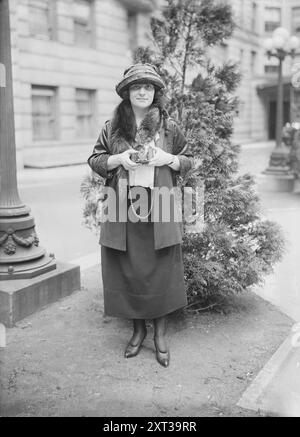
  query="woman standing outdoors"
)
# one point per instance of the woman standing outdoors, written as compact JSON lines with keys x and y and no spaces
{"x":142,"y":266}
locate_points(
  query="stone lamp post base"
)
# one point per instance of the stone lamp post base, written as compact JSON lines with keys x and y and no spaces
{"x":30,"y":269}
{"x":22,"y":297}
{"x":29,"y":277}
{"x":21,"y":257}
{"x":279,"y":176}
{"x":279,"y":161}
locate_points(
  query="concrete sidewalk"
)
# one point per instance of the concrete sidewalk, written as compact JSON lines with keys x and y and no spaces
{"x":276,"y":389}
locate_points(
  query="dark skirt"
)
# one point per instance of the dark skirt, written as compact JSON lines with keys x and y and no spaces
{"x":142,"y":283}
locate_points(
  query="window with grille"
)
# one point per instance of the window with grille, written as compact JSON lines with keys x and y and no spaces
{"x":271,"y":69}
{"x":85,"y":105}
{"x":83,"y":31}
{"x":43,"y":113}
{"x":41,"y":18}
{"x":272,"y":19}
{"x":296,"y":20}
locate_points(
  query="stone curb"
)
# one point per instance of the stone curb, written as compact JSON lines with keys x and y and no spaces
{"x":252,"y":397}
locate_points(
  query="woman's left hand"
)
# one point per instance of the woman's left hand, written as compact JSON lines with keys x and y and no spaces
{"x":160,"y":158}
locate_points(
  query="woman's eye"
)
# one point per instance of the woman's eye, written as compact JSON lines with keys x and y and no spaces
{"x":147,"y":87}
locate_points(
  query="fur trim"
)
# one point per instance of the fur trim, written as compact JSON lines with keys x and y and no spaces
{"x":149,"y":126}
{"x":125,"y":134}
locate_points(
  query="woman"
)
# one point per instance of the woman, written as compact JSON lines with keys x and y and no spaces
{"x":142,"y":266}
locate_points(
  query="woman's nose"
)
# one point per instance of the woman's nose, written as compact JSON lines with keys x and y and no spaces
{"x":142,"y":91}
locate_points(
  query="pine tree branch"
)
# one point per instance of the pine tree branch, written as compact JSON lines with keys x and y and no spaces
{"x":185,"y":60}
{"x":173,"y":65}
{"x":186,"y":54}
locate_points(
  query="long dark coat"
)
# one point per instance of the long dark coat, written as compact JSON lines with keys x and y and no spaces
{"x":171,"y":140}
{"x":142,"y":266}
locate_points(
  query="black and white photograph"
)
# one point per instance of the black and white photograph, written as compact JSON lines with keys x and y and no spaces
{"x":149,"y":211}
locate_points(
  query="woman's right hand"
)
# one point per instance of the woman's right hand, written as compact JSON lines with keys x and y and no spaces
{"x":125,"y":160}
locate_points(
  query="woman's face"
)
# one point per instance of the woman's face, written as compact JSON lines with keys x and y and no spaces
{"x":141,"y":95}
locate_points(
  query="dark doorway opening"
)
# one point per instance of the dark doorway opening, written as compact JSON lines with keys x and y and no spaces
{"x":272,"y":117}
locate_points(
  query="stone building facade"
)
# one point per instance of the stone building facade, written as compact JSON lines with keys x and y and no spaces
{"x":67,"y":59}
{"x":256,"y":20}
{"x":68,"y":55}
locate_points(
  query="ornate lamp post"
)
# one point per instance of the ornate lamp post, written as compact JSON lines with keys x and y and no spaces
{"x":29,"y":277}
{"x":280,"y":46}
{"x":20,"y":254}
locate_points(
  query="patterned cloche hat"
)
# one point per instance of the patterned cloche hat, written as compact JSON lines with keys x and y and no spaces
{"x":139,"y":73}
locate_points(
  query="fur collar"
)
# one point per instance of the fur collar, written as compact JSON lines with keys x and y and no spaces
{"x":133,"y":137}
{"x":149,"y":126}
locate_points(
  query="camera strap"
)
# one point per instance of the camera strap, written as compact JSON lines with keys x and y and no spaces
{"x":134,"y":211}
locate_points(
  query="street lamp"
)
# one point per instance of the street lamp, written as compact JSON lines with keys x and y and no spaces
{"x":29,"y":277}
{"x":20,"y":253}
{"x":280,"y":46}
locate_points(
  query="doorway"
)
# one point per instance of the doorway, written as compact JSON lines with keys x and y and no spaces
{"x":272,"y":117}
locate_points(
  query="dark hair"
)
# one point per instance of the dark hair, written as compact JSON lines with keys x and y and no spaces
{"x":124,"y":121}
